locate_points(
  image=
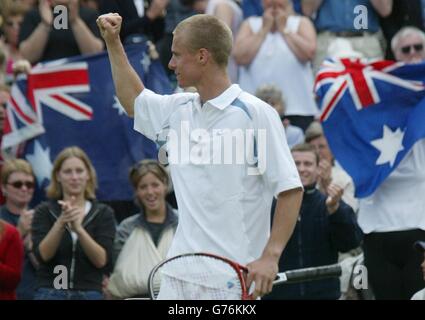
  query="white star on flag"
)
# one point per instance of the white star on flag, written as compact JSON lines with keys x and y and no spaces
{"x":146,"y":62}
{"x":40,"y":162}
{"x":117,"y":105}
{"x":389,"y":145}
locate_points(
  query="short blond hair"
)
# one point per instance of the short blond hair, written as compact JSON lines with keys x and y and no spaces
{"x":54,"y":189}
{"x":314,"y":131}
{"x":15,"y":165}
{"x":206,"y":31}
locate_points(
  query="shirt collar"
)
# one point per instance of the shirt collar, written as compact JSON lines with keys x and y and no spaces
{"x":226,"y":98}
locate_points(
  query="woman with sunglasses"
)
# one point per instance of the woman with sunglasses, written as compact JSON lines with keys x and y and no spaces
{"x":73,"y":234}
{"x":143,"y":240}
{"x":18,"y":184}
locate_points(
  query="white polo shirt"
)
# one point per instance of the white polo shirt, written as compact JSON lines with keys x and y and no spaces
{"x":227,"y":159}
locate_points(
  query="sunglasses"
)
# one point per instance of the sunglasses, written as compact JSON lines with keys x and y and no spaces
{"x":20,"y":184}
{"x":13,"y":23}
{"x":417,"y":47}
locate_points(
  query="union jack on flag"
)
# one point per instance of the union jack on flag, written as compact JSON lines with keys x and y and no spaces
{"x":72,"y":102}
{"x":51,"y":86}
{"x":372,"y":114}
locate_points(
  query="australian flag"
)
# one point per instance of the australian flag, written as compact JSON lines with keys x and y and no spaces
{"x":72,"y":102}
{"x":372,"y":114}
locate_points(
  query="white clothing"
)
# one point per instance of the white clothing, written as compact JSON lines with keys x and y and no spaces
{"x":276,"y":64}
{"x":398,"y":203}
{"x":294,"y":135}
{"x":232,"y":67}
{"x":87,"y":207}
{"x":420,"y":295}
{"x":224,"y":206}
{"x":140,"y":7}
{"x":342,"y":179}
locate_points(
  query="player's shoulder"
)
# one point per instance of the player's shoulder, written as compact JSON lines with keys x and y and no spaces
{"x":255,"y":105}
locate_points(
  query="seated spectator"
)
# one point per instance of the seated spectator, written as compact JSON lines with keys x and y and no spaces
{"x":325,"y":227}
{"x":230,"y":12}
{"x":72,"y":230}
{"x":11,"y":256}
{"x":405,"y":13}
{"x":273,"y":96}
{"x":420,"y":246}
{"x":329,"y":170}
{"x":408,"y":45}
{"x":40,"y":40}
{"x":335,"y":19}
{"x":12,"y":23}
{"x":277,"y":49}
{"x":142,"y":240}
{"x":18,"y":182}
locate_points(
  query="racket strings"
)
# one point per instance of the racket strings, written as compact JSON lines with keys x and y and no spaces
{"x":198,"y":278}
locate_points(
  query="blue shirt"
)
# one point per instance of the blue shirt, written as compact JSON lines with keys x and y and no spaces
{"x":339,"y":15}
{"x":255,"y":7}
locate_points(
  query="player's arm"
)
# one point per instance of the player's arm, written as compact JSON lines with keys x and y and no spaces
{"x":263,"y":271}
{"x":127,"y":83}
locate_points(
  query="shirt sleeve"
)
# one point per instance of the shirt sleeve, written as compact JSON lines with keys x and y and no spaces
{"x":152,"y":111}
{"x":275,"y":160}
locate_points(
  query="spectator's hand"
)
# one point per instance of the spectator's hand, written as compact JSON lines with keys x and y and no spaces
{"x":281,"y":19}
{"x":46,"y":13}
{"x":71,"y":214}
{"x":334,"y":197}
{"x":25,"y":221}
{"x":109,"y":26}
{"x":21,"y":66}
{"x":325,"y":175}
{"x":74,"y":10}
{"x":268,"y":20}
{"x":262,"y":272}
{"x":157,"y":9}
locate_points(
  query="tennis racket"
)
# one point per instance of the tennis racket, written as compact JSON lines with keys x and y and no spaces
{"x":204,"y":276}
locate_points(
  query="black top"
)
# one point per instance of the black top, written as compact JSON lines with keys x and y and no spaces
{"x":132,"y":24}
{"x":61,"y":42}
{"x":99,"y":223}
{"x":155,"y":230}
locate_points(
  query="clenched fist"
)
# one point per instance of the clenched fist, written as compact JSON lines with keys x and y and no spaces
{"x":109,"y":25}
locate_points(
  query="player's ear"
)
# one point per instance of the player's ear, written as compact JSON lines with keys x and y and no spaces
{"x":204,"y":56}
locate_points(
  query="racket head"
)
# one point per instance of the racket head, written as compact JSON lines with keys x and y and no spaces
{"x":198,"y":276}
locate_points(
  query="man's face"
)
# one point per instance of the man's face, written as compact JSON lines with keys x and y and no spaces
{"x":184,"y":63}
{"x":306,"y":163}
{"x":410,"y":49}
{"x":322,"y":148}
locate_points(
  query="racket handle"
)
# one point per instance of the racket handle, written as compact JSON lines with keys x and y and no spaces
{"x":308,"y":274}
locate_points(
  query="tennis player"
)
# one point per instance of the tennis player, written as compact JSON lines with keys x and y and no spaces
{"x":226,"y":149}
